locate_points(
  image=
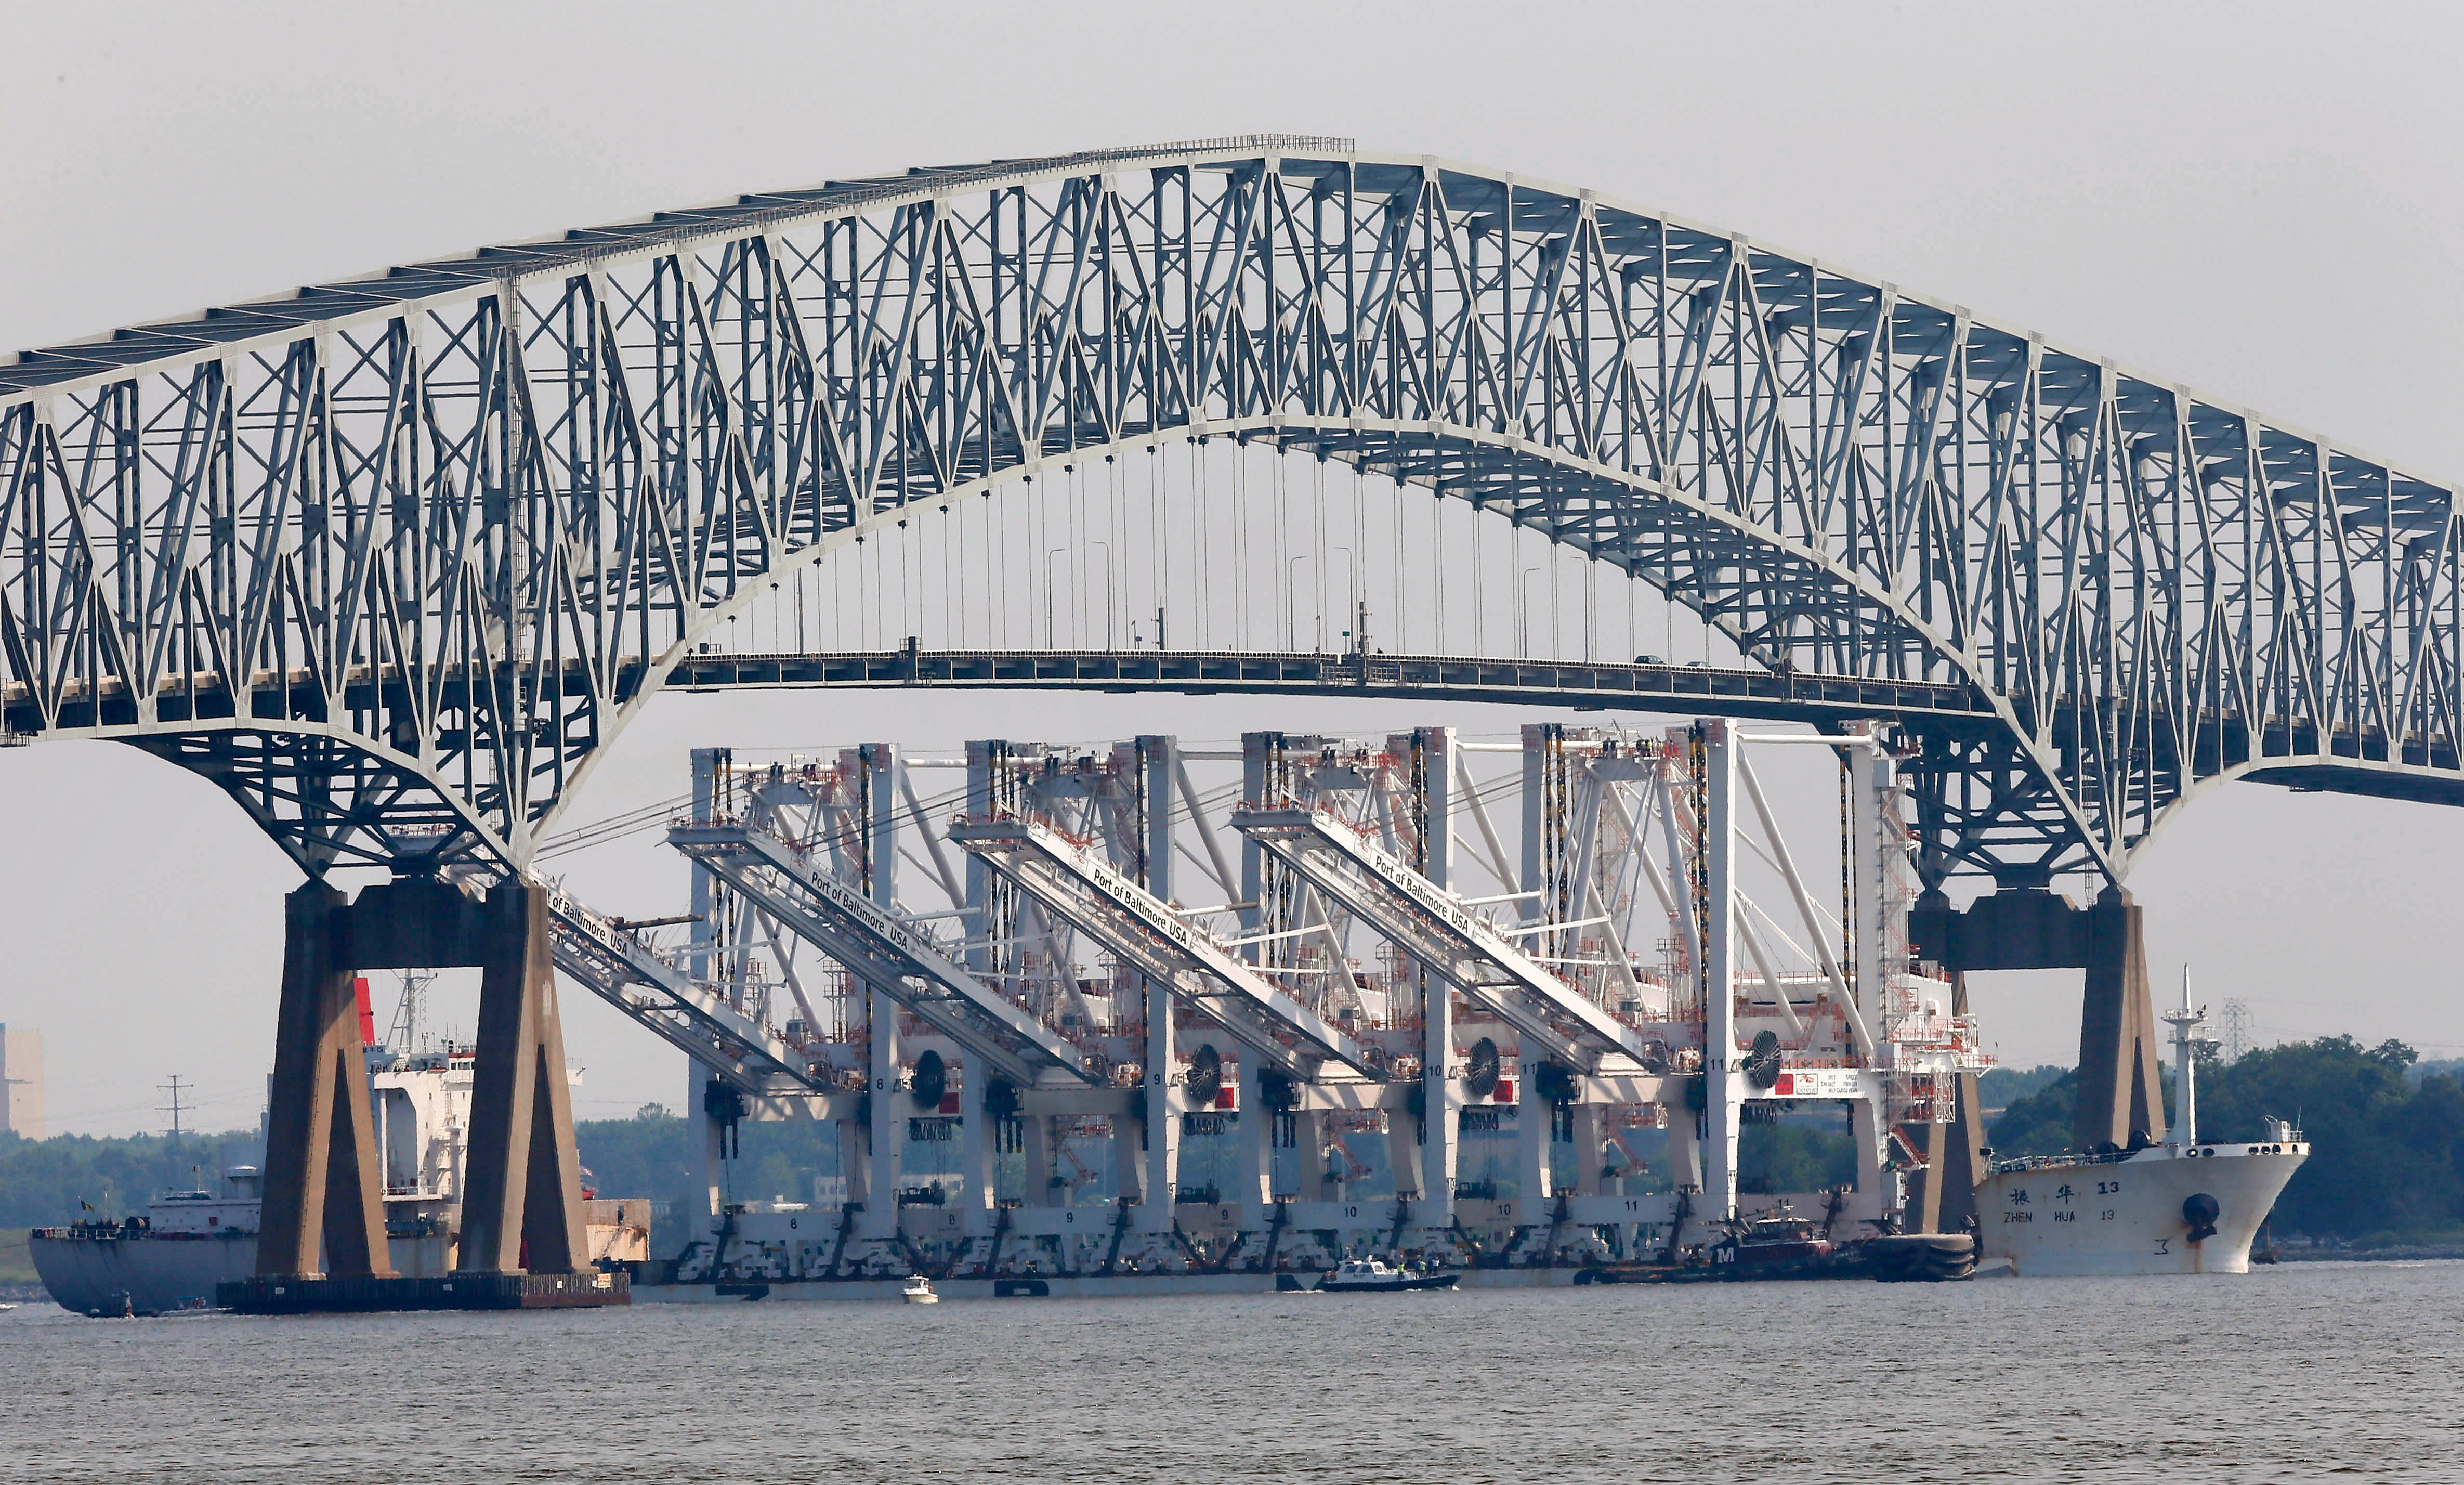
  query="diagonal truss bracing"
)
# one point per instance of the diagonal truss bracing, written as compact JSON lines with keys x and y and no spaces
{"x":1436,"y":929}
{"x":391,"y":559}
{"x":1149,"y":935}
{"x":881,"y":949}
{"x":623,"y":971}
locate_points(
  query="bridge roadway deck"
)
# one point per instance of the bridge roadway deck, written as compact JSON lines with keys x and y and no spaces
{"x":2275,"y":752}
{"x":1938,"y":708}
{"x":1584,"y":685}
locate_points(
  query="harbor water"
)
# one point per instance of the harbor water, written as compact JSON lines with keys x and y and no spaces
{"x":2297,"y":1373}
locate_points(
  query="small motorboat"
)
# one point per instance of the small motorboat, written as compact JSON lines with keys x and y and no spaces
{"x":920,"y":1291}
{"x":1373,"y":1276}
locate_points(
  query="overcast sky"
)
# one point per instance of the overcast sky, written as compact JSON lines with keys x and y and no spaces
{"x":2259,"y":201}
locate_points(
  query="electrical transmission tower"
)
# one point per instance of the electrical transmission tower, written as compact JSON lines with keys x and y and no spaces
{"x":175,"y":1108}
{"x":2236,"y":1030}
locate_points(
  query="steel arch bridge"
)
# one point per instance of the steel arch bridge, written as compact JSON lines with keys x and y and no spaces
{"x":388,"y":559}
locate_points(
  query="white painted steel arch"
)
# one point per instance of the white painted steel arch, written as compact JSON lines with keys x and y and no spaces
{"x":391,"y":558}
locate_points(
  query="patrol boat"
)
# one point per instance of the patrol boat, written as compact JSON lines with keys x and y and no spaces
{"x":1372,"y":1276}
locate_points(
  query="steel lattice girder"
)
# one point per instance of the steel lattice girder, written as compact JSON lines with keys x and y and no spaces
{"x":882,"y":951}
{"x":455,"y":521}
{"x":1463,"y":948}
{"x":626,"y":973}
{"x":1148,"y":934}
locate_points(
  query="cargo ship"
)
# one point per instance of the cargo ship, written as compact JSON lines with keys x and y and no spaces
{"x":170,"y":1258}
{"x":2181,"y":1206}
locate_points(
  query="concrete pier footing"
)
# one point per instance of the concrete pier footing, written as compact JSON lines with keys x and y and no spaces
{"x":361,"y":1295}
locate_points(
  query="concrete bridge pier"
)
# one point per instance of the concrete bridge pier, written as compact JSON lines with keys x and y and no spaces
{"x":2121,"y":1091}
{"x":324,"y":1190}
{"x":521,"y":1199}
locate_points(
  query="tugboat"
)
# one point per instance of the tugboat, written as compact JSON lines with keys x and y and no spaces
{"x":1372,"y":1276}
{"x":920,"y":1291}
{"x":1778,"y":1238}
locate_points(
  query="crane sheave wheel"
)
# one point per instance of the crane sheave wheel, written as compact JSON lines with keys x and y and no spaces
{"x":931,"y":1080}
{"x":1762,"y":1059}
{"x":1479,"y":1079}
{"x":1205,"y":1078}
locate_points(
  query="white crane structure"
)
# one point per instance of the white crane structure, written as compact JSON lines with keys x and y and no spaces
{"x":1322,"y":1041}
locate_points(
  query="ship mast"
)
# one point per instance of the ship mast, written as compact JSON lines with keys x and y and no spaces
{"x":2185,"y":1074}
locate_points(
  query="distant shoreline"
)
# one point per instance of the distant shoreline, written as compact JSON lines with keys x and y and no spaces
{"x":2431,"y":1253}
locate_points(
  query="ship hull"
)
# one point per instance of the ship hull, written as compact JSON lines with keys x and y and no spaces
{"x":144,"y":1274}
{"x":2133,"y":1215}
{"x":160,"y":1273}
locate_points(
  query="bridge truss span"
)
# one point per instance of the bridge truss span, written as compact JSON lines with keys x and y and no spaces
{"x":391,"y":559}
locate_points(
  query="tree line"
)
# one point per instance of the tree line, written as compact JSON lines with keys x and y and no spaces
{"x":2387,"y":1144}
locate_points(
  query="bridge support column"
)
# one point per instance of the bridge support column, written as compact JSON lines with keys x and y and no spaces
{"x":2119,"y":1093}
{"x":1959,"y":1165}
{"x":323,"y":1187}
{"x":1942,"y":1197}
{"x":521,"y":1202}
{"x":1922,"y":1210}
{"x":521,"y":1191}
